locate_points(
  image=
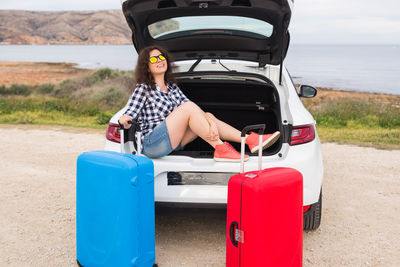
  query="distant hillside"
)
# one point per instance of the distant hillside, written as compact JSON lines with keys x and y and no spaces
{"x":69,"y":27}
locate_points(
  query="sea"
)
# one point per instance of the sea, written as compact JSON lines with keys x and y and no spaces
{"x":366,"y":68}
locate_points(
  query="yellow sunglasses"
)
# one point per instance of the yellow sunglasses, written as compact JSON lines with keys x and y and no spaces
{"x":153,"y":60}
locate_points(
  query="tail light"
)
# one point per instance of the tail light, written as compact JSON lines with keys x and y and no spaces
{"x":112,"y":133}
{"x":302,"y":134}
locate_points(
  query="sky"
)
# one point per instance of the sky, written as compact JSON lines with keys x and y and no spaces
{"x":313,"y":21}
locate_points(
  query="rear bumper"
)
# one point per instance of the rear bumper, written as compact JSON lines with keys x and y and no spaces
{"x":192,"y":209}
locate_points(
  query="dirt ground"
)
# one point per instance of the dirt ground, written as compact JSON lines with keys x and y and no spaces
{"x":326,"y":94}
{"x":35,"y":73}
{"x":360,"y":219}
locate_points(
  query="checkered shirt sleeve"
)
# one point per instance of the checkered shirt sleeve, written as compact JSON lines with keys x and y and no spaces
{"x":136,"y":102}
{"x":180,"y":95}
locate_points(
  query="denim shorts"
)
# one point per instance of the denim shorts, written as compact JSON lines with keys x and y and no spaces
{"x":157,"y":144}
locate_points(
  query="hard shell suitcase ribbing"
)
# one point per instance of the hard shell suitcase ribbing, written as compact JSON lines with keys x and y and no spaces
{"x":264,"y":216}
{"x":115,"y":224}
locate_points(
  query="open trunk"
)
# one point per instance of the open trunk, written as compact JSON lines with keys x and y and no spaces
{"x":255,"y":30}
{"x":237,"y":100}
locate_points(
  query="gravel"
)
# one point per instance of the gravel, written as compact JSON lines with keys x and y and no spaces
{"x":360,"y":218}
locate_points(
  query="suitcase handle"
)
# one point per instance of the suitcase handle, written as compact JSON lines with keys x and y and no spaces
{"x":232,"y":233}
{"x":131,"y":135}
{"x":261,"y":128}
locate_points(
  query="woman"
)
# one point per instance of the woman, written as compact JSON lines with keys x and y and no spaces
{"x":169,"y":120}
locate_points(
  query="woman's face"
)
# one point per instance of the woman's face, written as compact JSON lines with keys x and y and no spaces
{"x":160,"y":66}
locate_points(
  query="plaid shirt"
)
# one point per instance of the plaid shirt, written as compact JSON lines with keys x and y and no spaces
{"x":151,"y":107}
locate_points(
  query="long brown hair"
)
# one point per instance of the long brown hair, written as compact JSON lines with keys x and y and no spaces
{"x":142,"y":72}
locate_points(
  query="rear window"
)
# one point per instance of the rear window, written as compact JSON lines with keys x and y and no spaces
{"x":196,"y":25}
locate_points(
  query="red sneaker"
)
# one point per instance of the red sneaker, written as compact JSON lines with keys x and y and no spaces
{"x":226,"y":152}
{"x":267,"y":140}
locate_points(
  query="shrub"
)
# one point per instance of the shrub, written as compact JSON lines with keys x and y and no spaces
{"x":4,"y":106}
{"x":127,"y":83}
{"x":3,"y":90}
{"x":105,"y":73}
{"x":16,"y":89}
{"x":103,"y":118}
{"x":389,"y":117}
{"x":19,"y":89}
{"x":46,"y":88}
{"x":99,"y":76}
{"x":56,"y":105}
{"x":110,"y":98}
{"x":65,"y":89}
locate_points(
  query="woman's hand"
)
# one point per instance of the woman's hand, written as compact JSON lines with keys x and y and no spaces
{"x":213,"y":134}
{"x":124,"y":121}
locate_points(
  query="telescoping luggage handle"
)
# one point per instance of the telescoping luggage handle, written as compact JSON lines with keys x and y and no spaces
{"x":131,"y":136}
{"x":261,"y":128}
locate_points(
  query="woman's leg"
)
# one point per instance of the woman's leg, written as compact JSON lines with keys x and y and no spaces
{"x":226,"y":132}
{"x":188,"y":137}
{"x":188,"y":115}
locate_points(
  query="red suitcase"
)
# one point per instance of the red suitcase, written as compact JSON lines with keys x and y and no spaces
{"x":264,"y":216}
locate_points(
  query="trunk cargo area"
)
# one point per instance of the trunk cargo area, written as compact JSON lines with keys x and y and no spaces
{"x":236,"y":101}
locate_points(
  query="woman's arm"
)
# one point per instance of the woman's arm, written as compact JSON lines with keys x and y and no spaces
{"x":135,"y":105}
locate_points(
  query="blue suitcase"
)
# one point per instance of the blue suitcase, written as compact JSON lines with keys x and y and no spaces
{"x":115,"y":224}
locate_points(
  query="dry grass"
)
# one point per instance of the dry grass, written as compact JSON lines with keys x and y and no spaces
{"x":35,"y":73}
{"x":325,"y":95}
{"x":371,"y":137}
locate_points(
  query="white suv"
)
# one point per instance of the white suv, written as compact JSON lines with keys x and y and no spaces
{"x":229,"y":60}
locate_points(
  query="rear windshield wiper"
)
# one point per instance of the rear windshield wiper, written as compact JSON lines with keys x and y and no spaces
{"x":219,"y":61}
{"x":200,"y":58}
{"x":195,"y":64}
